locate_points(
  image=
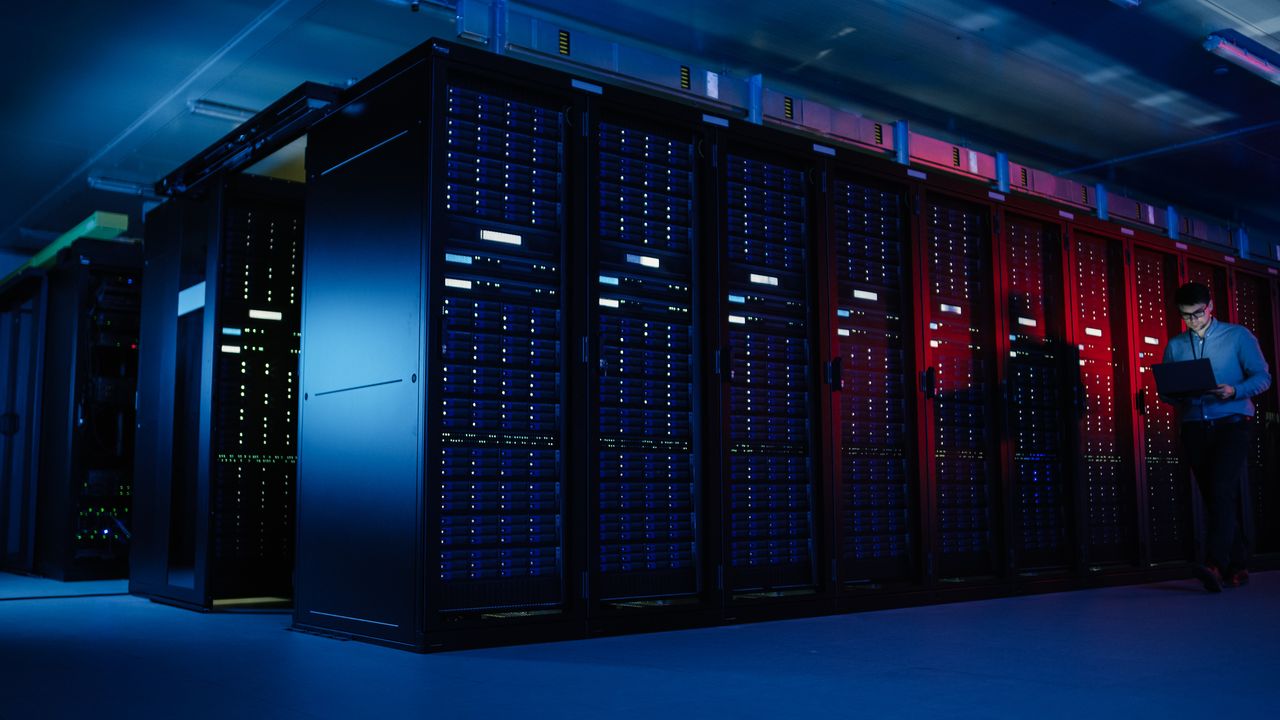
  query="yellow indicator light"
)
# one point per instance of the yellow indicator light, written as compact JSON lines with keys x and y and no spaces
{"x":686,"y":81}
{"x":1084,"y":194}
{"x":564,"y":42}
{"x":879,"y":134}
{"x":1024,"y":177}
{"x":788,"y":108}
{"x":955,"y":156}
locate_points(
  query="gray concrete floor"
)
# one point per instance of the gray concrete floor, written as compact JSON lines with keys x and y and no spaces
{"x":1162,"y":650}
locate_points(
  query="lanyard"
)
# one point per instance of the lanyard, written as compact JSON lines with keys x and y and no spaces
{"x":1191,"y":338}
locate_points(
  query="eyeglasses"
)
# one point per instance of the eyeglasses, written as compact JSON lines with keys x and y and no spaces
{"x":1192,"y":316}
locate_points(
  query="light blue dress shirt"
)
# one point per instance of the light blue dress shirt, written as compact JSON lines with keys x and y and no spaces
{"x":1237,"y":361}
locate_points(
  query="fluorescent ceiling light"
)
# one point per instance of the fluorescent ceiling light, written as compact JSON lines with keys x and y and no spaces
{"x":221,"y":111}
{"x":124,"y":187}
{"x":1233,"y":53}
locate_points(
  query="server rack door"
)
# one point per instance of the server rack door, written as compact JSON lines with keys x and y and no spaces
{"x":1215,"y":278}
{"x":769,"y":471}
{"x":1037,"y":392}
{"x":645,"y":498}
{"x":875,"y":466}
{"x":1170,"y":529}
{"x":960,"y":380}
{"x":1106,"y":474}
{"x":496,"y":468}
{"x":254,"y":447}
{"x":1255,"y":309}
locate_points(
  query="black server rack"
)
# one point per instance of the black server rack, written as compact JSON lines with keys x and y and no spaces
{"x":1106,"y":475}
{"x":1170,"y":529}
{"x":960,"y":384}
{"x":217,"y":398}
{"x":876,"y":466}
{"x":1039,"y":394}
{"x":770,"y":467}
{"x":1213,"y":276}
{"x":22,"y":328}
{"x":1254,"y":307}
{"x":647,"y":548}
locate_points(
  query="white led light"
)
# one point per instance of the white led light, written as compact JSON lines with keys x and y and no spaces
{"x":455,"y":283}
{"x":231,"y":349}
{"x":951,"y":308}
{"x":644,"y":260}
{"x":607,"y":280}
{"x":266,"y":315}
{"x":1093,"y":331}
{"x":230,"y":331}
{"x":608,"y":302}
{"x":463,"y":259}
{"x":495,"y":236}
{"x":737,"y":320}
{"x":865,"y":295}
{"x":1029,"y":322}
{"x":764,"y":279}
{"x":1150,"y":340}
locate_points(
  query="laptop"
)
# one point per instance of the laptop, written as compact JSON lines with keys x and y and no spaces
{"x":1186,"y":378}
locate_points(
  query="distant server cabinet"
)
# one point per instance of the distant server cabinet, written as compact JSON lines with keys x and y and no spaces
{"x":1040,"y":397}
{"x":960,"y":385}
{"x":770,"y":456}
{"x":71,"y":373}
{"x":1167,"y":505}
{"x":218,"y":394}
{"x":22,"y":327}
{"x":875,"y":470}
{"x":1254,"y":304}
{"x":1106,"y":487}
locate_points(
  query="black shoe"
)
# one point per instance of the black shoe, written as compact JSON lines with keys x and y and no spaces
{"x":1209,"y":576}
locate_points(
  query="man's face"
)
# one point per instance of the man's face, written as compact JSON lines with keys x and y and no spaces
{"x":1197,"y":316}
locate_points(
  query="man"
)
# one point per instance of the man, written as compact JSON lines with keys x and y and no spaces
{"x":1216,"y":429}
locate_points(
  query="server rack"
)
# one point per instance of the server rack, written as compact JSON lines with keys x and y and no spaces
{"x":1041,"y":401}
{"x":875,"y":466}
{"x":960,"y":386}
{"x":1107,"y":487}
{"x":1170,"y":535}
{"x":22,"y":328}
{"x":217,"y":400}
{"x":770,"y":454}
{"x":1254,"y":306}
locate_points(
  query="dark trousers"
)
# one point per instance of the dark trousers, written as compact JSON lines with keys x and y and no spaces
{"x":1218,"y":456}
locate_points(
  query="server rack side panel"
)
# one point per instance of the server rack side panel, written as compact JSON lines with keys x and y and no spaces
{"x":645,"y":532}
{"x":770,"y":467}
{"x":1170,"y":528}
{"x":23,"y":363}
{"x":253,"y":443}
{"x":1038,"y":392}
{"x":875,"y":463}
{"x":498,"y":478}
{"x":58,"y":414}
{"x":362,"y":376}
{"x":960,"y":380}
{"x":1108,"y":482}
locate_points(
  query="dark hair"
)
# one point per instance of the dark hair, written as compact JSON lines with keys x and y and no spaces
{"x":1193,"y":293}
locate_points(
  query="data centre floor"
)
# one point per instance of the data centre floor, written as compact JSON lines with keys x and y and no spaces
{"x":1161,"y":650}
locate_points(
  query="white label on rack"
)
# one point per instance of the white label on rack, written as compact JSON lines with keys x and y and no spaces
{"x":463,"y":259}
{"x":495,"y":236}
{"x":865,"y":295}
{"x":1066,"y":215}
{"x":973,"y":162}
{"x":933,"y":326}
{"x":1126,"y":231}
{"x":737,"y":299}
{"x":737,"y":320}
{"x":608,"y":302}
{"x":1029,"y":322}
{"x":995,"y":195}
{"x":1180,"y":245}
{"x":713,"y":85}
{"x":231,"y":349}
{"x":1093,"y":331}
{"x":842,"y":332}
{"x":608,"y":280}
{"x":933,"y":343}
{"x":1150,"y":340}
{"x":764,"y":279}
{"x":456,"y":283}
{"x":917,"y":175}
{"x":644,"y":260}
{"x":951,"y":308}
{"x":1151,"y":215}
{"x":230,"y":331}
{"x":1228,"y":258}
{"x":266,"y":315}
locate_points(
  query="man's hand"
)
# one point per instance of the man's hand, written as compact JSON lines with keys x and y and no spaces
{"x":1224,"y":392}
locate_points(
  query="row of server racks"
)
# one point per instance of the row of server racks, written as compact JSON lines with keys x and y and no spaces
{"x":577,"y":359}
{"x":68,"y":368}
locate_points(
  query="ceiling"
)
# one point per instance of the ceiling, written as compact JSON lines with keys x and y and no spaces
{"x":1077,"y":87}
